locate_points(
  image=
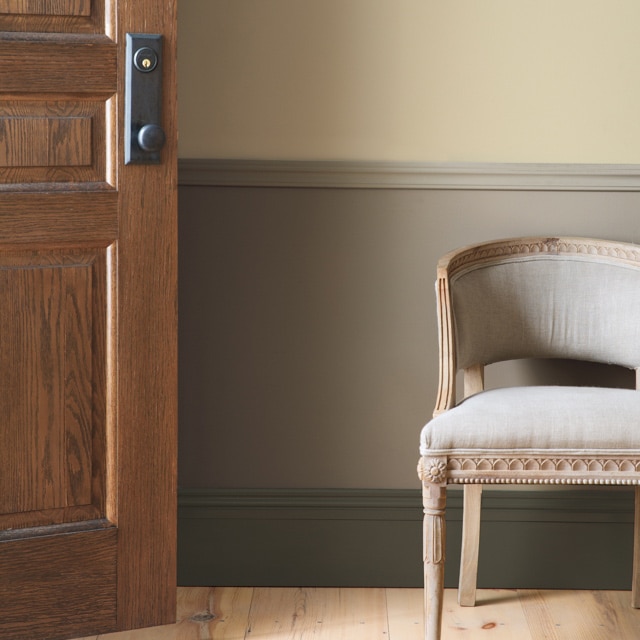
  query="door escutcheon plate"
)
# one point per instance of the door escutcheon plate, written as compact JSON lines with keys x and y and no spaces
{"x":143,"y":133}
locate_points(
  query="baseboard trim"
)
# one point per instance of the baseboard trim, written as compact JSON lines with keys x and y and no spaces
{"x":408,"y":175}
{"x":554,"y":539}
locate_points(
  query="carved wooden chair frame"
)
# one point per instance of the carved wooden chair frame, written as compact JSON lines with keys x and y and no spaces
{"x":473,"y":469}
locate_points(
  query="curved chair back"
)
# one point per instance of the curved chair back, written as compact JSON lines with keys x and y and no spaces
{"x":545,"y":298}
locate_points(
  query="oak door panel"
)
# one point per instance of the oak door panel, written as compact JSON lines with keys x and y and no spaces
{"x":61,"y":141}
{"x":46,"y":590}
{"x":53,"y":441}
{"x":59,"y":65}
{"x":32,"y":141}
{"x":59,"y":16}
{"x":47,"y":7}
{"x":87,"y":327}
{"x":43,"y":218}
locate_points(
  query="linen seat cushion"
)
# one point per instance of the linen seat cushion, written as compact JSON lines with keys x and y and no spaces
{"x":573,"y":419}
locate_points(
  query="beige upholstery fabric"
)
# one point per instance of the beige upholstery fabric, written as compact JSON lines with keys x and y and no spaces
{"x":560,"y":418}
{"x":548,"y":307}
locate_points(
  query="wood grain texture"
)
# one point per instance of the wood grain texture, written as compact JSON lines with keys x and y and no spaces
{"x":332,"y":614}
{"x":43,"y":142}
{"x":53,"y":602}
{"x":498,"y":615}
{"x":147,"y":354}
{"x":58,"y":66}
{"x":57,"y":16}
{"x":473,"y":380}
{"x":232,"y":613}
{"x":53,"y":141}
{"x":80,"y":218}
{"x":52,"y":455}
{"x":221,"y":613}
{"x":625,"y":619}
{"x":405,"y":616}
{"x":88,"y":339}
{"x":31,"y":360}
{"x":69,"y":142}
{"x":80,"y":337}
{"x":470,"y":544}
{"x":587,"y":614}
{"x":47,"y":7}
{"x":24,"y":142}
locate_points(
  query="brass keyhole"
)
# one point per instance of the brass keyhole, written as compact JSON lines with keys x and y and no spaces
{"x":145,"y":59}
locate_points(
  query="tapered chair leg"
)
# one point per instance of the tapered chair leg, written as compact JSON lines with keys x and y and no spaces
{"x":635,"y":587}
{"x":434,"y":497}
{"x":470,"y":545}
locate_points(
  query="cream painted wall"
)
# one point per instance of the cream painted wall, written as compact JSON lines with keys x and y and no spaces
{"x":410,"y":80}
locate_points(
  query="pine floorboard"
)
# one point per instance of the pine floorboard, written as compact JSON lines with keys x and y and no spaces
{"x":244,"y":613}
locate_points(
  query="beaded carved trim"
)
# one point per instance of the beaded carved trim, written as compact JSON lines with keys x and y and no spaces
{"x":543,"y":470}
{"x":548,"y":246}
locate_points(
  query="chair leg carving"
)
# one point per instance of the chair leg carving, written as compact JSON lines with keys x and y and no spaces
{"x":635,"y":587}
{"x":434,"y":496}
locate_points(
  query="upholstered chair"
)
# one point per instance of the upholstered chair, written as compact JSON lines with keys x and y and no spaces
{"x":571,"y":298}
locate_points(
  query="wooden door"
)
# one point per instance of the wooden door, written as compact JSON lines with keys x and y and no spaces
{"x":87,"y":327}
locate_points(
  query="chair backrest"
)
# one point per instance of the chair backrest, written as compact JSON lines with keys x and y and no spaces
{"x":543,"y":298}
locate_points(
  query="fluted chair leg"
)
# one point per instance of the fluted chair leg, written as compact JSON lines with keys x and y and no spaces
{"x":470,"y":545}
{"x":635,"y":587}
{"x":434,"y":498}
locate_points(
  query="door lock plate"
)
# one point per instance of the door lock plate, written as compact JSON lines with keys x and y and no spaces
{"x":143,"y":133}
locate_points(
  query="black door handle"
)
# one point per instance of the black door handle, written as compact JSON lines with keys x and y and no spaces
{"x":143,"y":133}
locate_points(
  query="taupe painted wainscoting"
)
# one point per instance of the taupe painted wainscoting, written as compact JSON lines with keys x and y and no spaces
{"x":308,"y":364}
{"x":562,"y":539}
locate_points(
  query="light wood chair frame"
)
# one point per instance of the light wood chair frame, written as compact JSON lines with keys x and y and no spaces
{"x":473,"y":471}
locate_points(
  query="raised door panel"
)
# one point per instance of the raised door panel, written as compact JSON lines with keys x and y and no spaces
{"x":69,"y":218}
{"x":53,"y":347}
{"x":48,"y":7}
{"x":57,"y":64}
{"x":53,"y":142}
{"x":60,"y":16}
{"x":47,"y":591}
{"x":44,"y":141}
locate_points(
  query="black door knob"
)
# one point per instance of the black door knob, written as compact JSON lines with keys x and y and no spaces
{"x":151,"y":137}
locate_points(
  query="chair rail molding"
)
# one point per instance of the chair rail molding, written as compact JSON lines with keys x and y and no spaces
{"x":408,"y":175}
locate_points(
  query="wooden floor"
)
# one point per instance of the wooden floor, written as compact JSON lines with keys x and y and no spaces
{"x":392,"y":614}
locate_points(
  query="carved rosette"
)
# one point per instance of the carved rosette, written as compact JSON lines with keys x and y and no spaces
{"x":432,"y":470}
